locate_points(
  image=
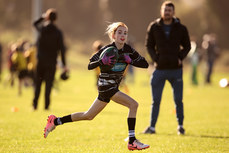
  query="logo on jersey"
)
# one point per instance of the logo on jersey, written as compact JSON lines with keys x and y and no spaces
{"x":118,"y":67}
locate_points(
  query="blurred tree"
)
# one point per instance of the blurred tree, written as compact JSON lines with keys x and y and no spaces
{"x":87,"y":19}
{"x":136,"y":14}
{"x":15,"y":14}
{"x":221,"y":11}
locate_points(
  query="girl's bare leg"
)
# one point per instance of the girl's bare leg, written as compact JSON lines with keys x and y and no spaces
{"x":95,"y":109}
{"x":127,"y":101}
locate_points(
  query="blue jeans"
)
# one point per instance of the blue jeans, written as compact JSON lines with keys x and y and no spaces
{"x":157,"y":84}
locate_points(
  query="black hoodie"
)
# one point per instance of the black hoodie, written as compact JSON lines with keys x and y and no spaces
{"x":166,"y":52}
{"x":49,"y":43}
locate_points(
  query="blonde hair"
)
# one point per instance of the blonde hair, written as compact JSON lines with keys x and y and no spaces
{"x":112,"y":28}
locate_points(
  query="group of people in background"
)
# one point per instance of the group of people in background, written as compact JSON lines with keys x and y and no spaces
{"x":21,"y":58}
{"x":207,"y":51}
{"x":164,"y":39}
{"x":34,"y":64}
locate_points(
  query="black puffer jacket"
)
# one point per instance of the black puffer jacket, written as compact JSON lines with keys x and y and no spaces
{"x":166,"y":52}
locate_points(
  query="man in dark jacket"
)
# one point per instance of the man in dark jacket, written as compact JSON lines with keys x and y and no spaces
{"x":49,"y":43}
{"x":168,"y":44}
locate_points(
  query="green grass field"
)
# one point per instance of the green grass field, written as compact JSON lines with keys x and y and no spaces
{"x":206,"y":119}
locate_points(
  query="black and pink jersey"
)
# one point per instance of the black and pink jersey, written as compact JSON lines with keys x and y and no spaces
{"x":109,"y":80}
{"x":120,"y":65}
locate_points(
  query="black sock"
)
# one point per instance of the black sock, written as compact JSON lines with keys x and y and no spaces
{"x":131,"y":140}
{"x":62,"y":120}
{"x":131,"y":128}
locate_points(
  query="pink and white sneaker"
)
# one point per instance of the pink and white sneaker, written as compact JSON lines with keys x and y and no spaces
{"x":50,"y":125}
{"x":137,"y":145}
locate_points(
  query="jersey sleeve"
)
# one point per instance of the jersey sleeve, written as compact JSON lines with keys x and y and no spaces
{"x":95,"y":57}
{"x":137,"y":59}
{"x":94,"y":61}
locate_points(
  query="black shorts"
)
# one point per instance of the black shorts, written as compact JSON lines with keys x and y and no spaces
{"x":22,"y":74}
{"x":108,"y":85}
{"x":106,"y":95}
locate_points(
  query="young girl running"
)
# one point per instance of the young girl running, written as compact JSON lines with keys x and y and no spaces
{"x":108,"y":84}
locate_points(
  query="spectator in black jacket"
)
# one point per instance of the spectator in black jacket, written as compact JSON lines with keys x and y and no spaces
{"x":168,"y":43}
{"x":49,"y":43}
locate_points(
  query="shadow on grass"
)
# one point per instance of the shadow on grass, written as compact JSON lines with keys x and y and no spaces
{"x":190,"y":135}
{"x":209,"y":136}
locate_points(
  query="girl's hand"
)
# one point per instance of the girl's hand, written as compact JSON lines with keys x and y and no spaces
{"x":127,"y":58}
{"x":107,"y":60}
